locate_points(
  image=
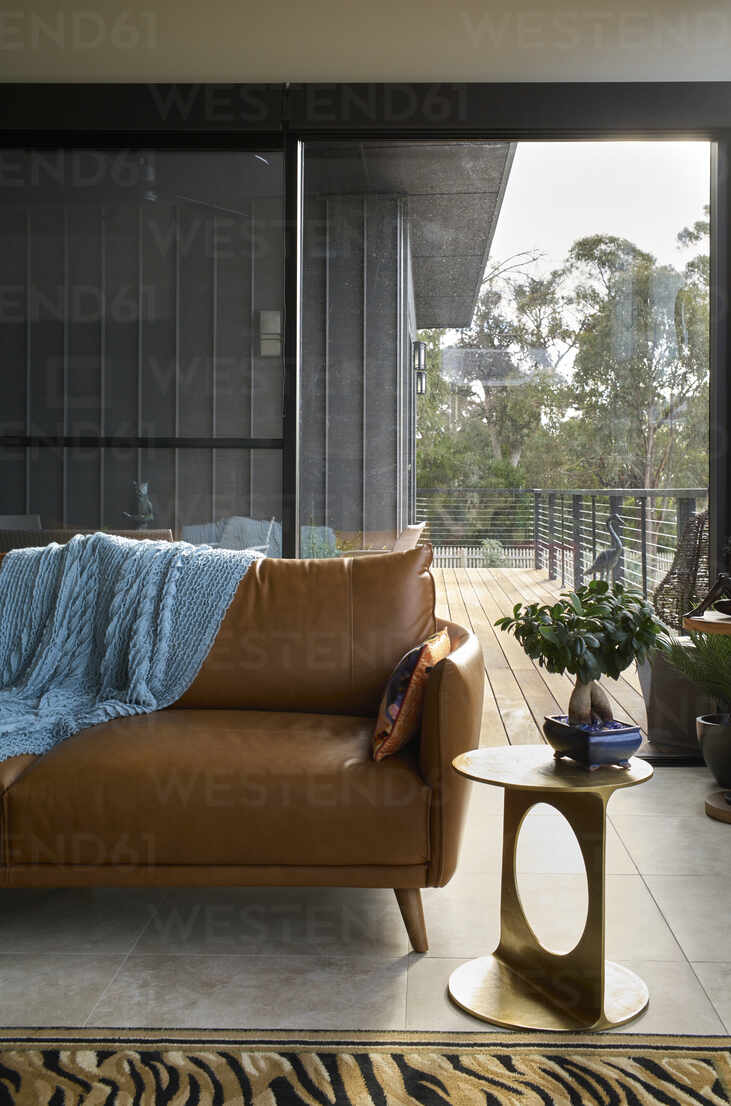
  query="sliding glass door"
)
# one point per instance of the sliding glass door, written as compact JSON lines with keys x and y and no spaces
{"x":141,"y":329}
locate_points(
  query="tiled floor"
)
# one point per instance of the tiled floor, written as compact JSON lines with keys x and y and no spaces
{"x":339,"y":959}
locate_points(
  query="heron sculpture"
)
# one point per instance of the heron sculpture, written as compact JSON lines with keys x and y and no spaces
{"x":607,"y":561}
{"x":145,"y":511}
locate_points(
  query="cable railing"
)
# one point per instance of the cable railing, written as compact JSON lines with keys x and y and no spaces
{"x":565,"y":532}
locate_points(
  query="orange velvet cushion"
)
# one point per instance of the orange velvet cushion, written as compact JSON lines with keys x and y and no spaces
{"x":400,"y":712}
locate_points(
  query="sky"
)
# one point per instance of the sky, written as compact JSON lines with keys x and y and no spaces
{"x":644,"y":191}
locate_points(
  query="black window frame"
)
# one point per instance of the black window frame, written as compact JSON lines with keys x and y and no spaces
{"x":244,"y":116}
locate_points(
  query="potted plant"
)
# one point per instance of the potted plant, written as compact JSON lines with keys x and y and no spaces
{"x":598,"y":630}
{"x":707,"y":664}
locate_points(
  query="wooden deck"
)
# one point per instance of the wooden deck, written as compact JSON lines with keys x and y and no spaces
{"x":517,"y":692}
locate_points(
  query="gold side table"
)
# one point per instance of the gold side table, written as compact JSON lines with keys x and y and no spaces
{"x":524,"y":985}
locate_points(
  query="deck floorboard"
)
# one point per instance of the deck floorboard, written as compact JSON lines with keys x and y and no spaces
{"x":518,"y":693}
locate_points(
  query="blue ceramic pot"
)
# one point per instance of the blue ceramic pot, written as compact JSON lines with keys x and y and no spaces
{"x":592,"y":746}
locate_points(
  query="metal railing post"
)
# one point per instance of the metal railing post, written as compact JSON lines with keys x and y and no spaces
{"x":684,"y":507}
{"x":643,"y":542}
{"x":537,"y":558}
{"x":551,"y":536}
{"x":576,"y":507}
{"x":563,"y":541}
{"x":615,"y":508}
{"x":593,"y":529}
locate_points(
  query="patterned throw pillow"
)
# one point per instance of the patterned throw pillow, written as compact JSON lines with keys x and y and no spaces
{"x":400,"y":712}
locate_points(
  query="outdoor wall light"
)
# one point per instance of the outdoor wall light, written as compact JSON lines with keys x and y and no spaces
{"x":270,"y":333}
{"x":419,"y":354}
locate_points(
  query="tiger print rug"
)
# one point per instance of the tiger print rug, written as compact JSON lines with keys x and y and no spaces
{"x":226,"y":1068}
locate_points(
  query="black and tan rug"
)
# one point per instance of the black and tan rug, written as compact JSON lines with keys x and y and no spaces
{"x":211,"y":1068}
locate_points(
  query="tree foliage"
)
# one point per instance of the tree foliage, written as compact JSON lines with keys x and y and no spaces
{"x":641,"y":359}
{"x":594,"y":374}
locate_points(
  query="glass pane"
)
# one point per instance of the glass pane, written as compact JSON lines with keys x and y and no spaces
{"x":135,"y":284}
{"x":141,"y":299}
{"x":565,"y":429}
{"x":508,"y":341}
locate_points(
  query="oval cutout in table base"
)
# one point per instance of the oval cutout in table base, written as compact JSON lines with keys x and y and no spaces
{"x":557,"y":929}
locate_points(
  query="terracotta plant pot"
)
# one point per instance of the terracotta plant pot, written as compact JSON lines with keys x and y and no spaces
{"x":714,"y":738}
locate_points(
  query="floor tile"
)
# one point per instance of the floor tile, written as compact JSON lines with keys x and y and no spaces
{"x":716,"y":981}
{"x":677,"y":845}
{"x":277,"y":921}
{"x":698,"y":910}
{"x":45,"y":990}
{"x":103,"y":921}
{"x":678,"y":1003}
{"x":671,"y":791}
{"x":556,"y":908}
{"x":428,"y":1005}
{"x":484,"y":800}
{"x":463,"y":919}
{"x":546,"y":843}
{"x":313,"y":992}
{"x":482,"y":835}
{"x":482,"y":843}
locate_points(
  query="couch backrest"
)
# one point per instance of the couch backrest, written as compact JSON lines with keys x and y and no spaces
{"x":317,"y":635}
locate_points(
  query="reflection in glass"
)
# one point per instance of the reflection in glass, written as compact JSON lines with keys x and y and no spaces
{"x":134,"y":283}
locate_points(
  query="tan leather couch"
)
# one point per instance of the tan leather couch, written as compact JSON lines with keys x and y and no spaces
{"x":262,"y":773}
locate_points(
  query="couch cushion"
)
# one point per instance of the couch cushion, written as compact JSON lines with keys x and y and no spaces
{"x":399,"y":715}
{"x":322,"y":636}
{"x":219,"y":787}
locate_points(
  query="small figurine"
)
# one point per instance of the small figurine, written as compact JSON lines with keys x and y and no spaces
{"x":606,"y":563}
{"x":145,"y":513}
{"x":719,"y":597}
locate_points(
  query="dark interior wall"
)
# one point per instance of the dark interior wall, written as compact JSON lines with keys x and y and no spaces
{"x":355,"y":381}
{"x":131,"y":300}
{"x":130,"y":307}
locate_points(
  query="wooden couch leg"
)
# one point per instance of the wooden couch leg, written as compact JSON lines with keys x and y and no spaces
{"x":412,"y":912}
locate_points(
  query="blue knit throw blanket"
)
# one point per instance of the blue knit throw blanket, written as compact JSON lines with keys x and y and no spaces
{"x":104,"y":627}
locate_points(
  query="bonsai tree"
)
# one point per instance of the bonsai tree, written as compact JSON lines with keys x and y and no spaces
{"x":707,"y":664}
{"x":595,"y":631}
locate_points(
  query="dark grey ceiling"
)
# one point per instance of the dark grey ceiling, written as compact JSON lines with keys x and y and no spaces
{"x":453,"y":191}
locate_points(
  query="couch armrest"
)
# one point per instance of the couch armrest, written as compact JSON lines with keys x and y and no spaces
{"x":450,"y":725}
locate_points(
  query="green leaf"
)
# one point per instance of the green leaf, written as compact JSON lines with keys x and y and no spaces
{"x":592,"y":631}
{"x":576,"y":603}
{"x":549,"y":634}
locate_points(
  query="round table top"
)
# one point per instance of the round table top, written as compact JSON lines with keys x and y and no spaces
{"x":712,"y":622}
{"x":534,"y":768}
